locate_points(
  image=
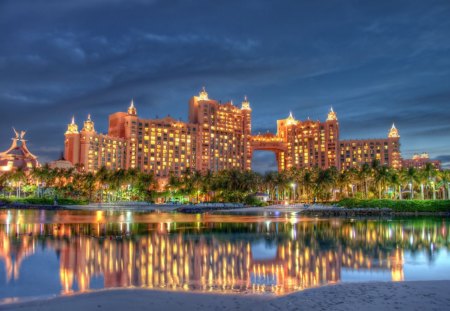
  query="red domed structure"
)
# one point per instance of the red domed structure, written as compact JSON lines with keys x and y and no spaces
{"x":17,"y":156}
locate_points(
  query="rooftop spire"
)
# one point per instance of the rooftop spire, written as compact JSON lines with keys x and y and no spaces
{"x":72,"y":127}
{"x":393,"y":133}
{"x":88,"y":125}
{"x":132,"y":110}
{"x":291,"y":120}
{"x":203,"y":95}
{"x":332,"y":115}
{"x":245,"y":104}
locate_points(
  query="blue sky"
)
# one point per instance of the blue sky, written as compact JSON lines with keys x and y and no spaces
{"x":375,"y":62}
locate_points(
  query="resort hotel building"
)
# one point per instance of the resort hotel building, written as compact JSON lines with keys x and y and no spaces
{"x":218,"y":136}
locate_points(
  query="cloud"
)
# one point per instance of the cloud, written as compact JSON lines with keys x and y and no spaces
{"x":375,"y":63}
{"x":201,"y":40}
{"x":22,"y":98}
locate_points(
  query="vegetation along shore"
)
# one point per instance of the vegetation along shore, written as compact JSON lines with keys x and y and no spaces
{"x":411,"y":190}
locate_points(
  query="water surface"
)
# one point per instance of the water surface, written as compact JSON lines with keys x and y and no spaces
{"x":46,"y":253}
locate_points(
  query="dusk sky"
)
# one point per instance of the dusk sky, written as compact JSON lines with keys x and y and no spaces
{"x":375,"y":62}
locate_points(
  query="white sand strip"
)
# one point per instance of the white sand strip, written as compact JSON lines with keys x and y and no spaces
{"x":428,"y":295}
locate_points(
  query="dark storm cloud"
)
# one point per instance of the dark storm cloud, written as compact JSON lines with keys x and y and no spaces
{"x":375,"y":62}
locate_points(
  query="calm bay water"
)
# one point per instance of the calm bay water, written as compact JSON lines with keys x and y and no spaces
{"x":46,"y":253}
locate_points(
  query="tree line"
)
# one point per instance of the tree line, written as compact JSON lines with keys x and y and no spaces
{"x":293,"y":185}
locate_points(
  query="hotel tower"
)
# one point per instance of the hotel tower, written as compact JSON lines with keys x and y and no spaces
{"x":218,"y":136}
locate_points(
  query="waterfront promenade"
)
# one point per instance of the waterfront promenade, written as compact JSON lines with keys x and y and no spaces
{"x":429,"y":295}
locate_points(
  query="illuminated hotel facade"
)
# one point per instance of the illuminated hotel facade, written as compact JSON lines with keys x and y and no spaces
{"x":420,"y":161}
{"x":216,"y":137}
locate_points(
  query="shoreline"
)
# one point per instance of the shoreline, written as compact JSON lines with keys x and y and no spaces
{"x":410,"y":295}
{"x":318,"y":210}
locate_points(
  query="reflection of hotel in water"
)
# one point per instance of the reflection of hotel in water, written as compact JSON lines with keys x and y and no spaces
{"x":207,"y":262}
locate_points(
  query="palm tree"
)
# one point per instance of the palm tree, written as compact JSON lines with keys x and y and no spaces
{"x":444,"y":177}
{"x":197,"y":181}
{"x":173,"y":185}
{"x":365,"y":172}
{"x":103,"y":179}
{"x":411,"y":176}
{"x":270,"y":182}
{"x":430,"y":172}
{"x":308,"y":181}
{"x":15,"y":180}
{"x":19,"y":178}
{"x":45,"y":176}
{"x":282,"y":184}
{"x":324,"y":183}
{"x":353,"y":178}
{"x":382,"y":177}
{"x":206,"y":185}
{"x":343,"y":180}
{"x":422,"y":179}
{"x":89,"y":182}
{"x":396,"y":182}
{"x":145,"y":184}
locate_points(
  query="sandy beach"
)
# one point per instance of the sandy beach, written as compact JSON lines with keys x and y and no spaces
{"x":427,"y":295}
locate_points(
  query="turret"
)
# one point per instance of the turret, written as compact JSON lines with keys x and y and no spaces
{"x":246,"y":112}
{"x":332,"y":140}
{"x":393,"y":132}
{"x":132,"y":110}
{"x":203,"y":95}
{"x":332,"y":115}
{"x":72,"y":143}
{"x":395,"y":160}
{"x":88,"y":125}
{"x":72,"y":127}
{"x":290,"y":120}
{"x":245,"y":104}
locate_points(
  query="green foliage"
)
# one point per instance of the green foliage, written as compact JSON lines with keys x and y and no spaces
{"x":44,"y":201}
{"x":399,"y":205}
{"x":369,"y":181}
{"x":251,"y":200}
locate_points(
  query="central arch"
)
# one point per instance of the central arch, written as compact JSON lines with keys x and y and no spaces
{"x":271,"y":142}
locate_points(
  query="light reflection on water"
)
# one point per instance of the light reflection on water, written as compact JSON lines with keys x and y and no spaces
{"x":45,"y":253}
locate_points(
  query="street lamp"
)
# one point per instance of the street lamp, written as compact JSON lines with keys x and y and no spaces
{"x":293,"y":185}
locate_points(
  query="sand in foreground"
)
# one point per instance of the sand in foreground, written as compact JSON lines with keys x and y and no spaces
{"x":430,"y":295}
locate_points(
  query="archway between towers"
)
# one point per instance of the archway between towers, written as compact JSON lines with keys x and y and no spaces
{"x":271,"y":142}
